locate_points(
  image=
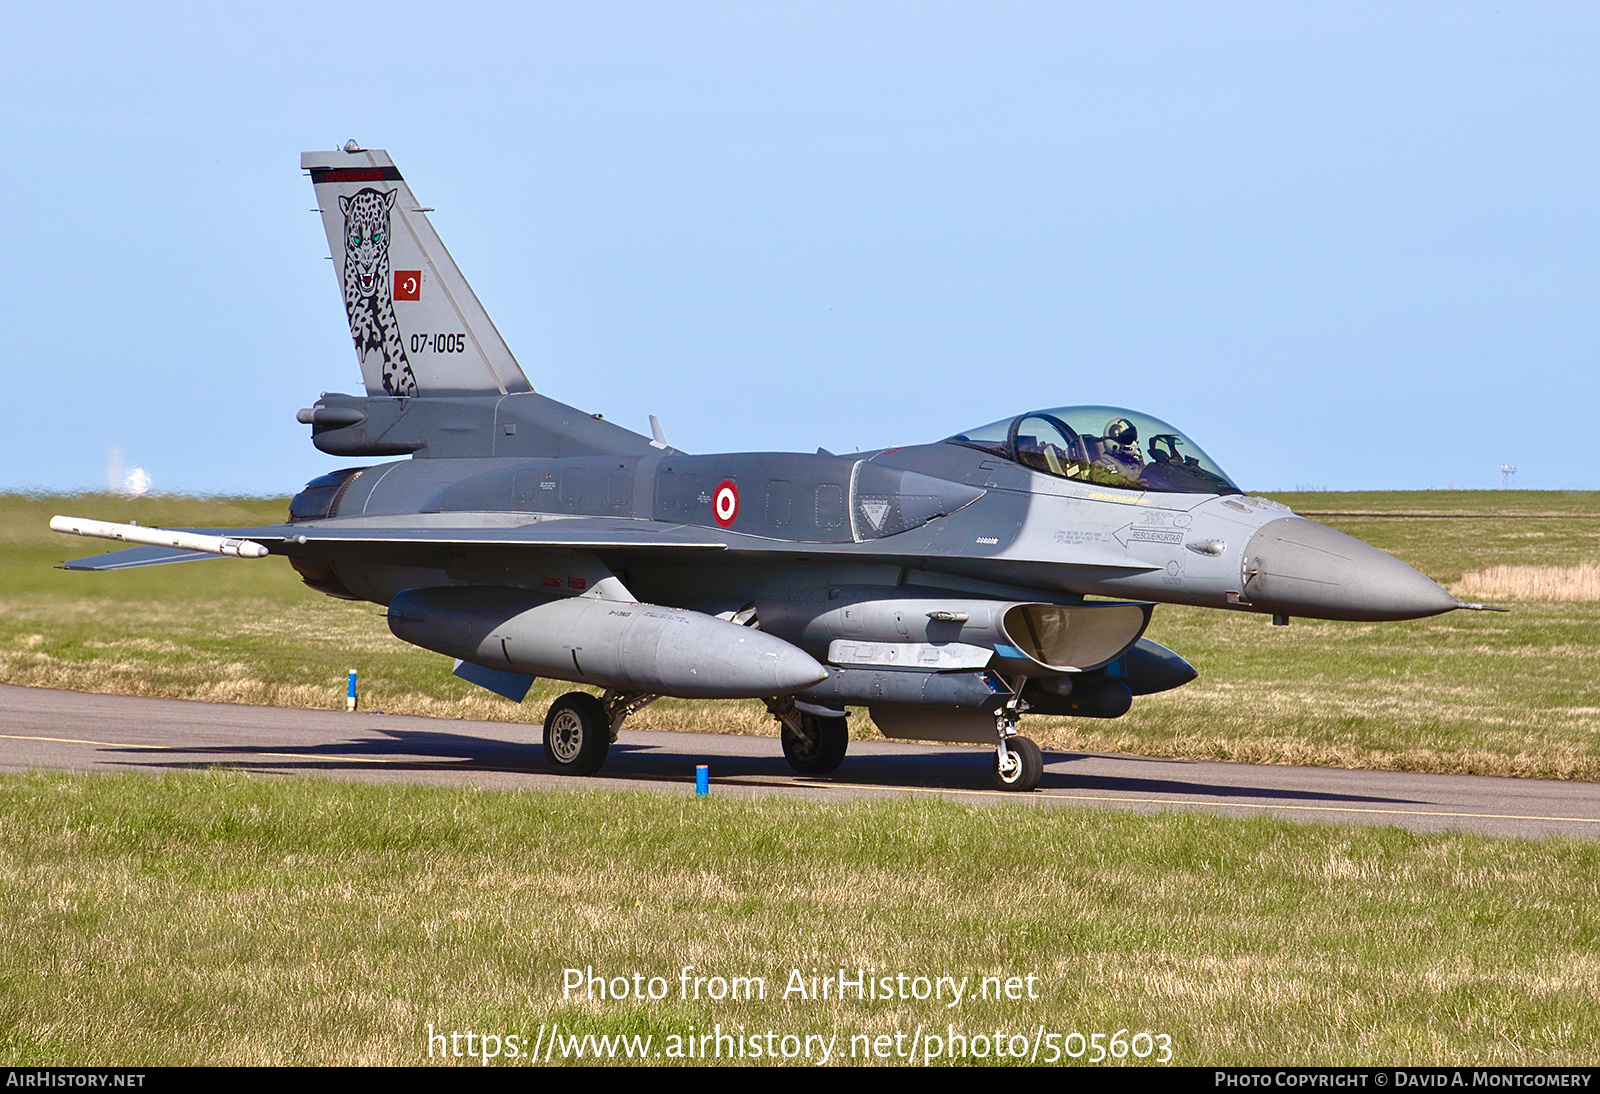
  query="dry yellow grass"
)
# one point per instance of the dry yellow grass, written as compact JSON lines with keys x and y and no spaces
{"x":1580,"y":582}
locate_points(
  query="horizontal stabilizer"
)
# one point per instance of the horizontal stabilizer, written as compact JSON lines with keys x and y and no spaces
{"x":134,"y":557}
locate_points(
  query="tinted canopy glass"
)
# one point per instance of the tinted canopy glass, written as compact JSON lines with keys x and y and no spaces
{"x":1105,"y":445}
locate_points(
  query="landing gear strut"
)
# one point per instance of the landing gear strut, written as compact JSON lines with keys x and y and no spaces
{"x":620,"y":705}
{"x":1018,"y":763}
{"x":812,"y":744}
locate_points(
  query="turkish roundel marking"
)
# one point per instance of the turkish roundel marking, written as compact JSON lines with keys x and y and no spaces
{"x":408,"y":284}
{"x":725,"y":503}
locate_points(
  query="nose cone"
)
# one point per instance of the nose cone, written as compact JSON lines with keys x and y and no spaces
{"x":1299,"y":567}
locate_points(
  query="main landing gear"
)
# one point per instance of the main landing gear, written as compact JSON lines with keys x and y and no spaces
{"x":813,"y":744}
{"x":579,"y":728}
{"x":577,"y":734}
{"x":1018,"y":763}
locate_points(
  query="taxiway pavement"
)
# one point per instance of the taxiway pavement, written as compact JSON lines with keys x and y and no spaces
{"x":61,"y":730}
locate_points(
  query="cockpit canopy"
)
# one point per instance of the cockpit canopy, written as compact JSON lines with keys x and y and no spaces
{"x":1104,"y":445}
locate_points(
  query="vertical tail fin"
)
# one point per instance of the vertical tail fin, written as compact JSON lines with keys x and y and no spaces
{"x":418,"y":327}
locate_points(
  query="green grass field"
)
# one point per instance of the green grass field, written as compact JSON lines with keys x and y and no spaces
{"x":1515,"y":694}
{"x":235,"y":919}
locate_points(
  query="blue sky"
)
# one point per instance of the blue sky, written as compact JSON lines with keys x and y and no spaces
{"x":1343,"y":245}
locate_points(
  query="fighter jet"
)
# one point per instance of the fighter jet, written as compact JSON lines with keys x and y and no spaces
{"x":949,"y":587}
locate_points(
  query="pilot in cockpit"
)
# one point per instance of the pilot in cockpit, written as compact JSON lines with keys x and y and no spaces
{"x":1133,"y":452}
{"x":1120,"y":448}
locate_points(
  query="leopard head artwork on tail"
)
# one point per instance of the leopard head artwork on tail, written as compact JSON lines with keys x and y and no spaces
{"x":368,"y":296}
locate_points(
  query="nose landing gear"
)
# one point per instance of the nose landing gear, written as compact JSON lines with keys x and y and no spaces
{"x":1018,"y":763}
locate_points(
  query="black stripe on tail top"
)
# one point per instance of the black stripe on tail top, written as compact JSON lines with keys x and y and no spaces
{"x":320,"y":175}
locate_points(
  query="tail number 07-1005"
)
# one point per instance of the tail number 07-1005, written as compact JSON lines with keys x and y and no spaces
{"x":438,"y":343}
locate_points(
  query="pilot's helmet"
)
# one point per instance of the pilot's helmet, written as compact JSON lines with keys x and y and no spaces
{"x":1122,"y":431}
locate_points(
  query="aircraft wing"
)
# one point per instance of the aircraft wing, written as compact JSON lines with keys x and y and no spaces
{"x":428,"y":539}
{"x":408,"y":534}
{"x":588,"y":533}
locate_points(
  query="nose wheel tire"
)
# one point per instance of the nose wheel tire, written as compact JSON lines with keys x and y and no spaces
{"x":819,"y":746}
{"x":1025,"y":766}
{"x":577,"y":734}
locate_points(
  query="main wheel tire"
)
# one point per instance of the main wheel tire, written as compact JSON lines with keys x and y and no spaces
{"x":1027,"y":765}
{"x":820,"y":745}
{"x":577,"y":734}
